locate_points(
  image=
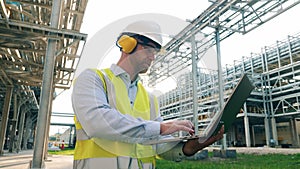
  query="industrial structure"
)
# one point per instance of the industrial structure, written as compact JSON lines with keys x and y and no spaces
{"x":41,"y":44}
{"x":202,"y":93}
{"x":40,"y":48}
{"x":272,"y":111}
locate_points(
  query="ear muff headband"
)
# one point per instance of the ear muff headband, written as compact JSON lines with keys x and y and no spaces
{"x":127,"y":44}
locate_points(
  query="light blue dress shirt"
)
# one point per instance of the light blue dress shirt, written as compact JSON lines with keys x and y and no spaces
{"x":98,"y":119}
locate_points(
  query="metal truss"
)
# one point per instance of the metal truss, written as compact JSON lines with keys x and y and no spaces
{"x":224,"y":17}
{"x":25,"y":29}
{"x":275,"y":72}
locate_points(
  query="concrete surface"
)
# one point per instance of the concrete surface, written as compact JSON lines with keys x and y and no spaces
{"x":21,"y":161}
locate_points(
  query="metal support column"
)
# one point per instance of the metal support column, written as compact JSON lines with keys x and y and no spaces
{"x":253,"y":135}
{"x":5,"y":113}
{"x":27,"y":131}
{"x":48,"y":126}
{"x":274,"y":130}
{"x":14,"y":122}
{"x":247,"y":128}
{"x":21,"y":129}
{"x":233,"y":135}
{"x":194,"y":79}
{"x":295,"y":137}
{"x":70,"y":136}
{"x":267,"y":131}
{"x":220,"y":79}
{"x":37,"y":161}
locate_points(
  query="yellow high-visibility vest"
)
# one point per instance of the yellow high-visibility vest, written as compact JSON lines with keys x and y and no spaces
{"x":145,"y":107}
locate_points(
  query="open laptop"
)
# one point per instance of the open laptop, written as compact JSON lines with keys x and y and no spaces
{"x":225,"y":117}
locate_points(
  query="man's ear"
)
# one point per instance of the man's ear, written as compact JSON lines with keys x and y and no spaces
{"x":127,"y":44}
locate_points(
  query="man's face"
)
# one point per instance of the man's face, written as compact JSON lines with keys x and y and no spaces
{"x":144,"y":56}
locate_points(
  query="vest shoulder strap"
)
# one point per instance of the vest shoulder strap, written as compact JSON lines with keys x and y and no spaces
{"x":152,"y":98}
{"x":101,"y":75}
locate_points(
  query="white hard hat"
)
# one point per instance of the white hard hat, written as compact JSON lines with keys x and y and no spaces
{"x":145,"y":28}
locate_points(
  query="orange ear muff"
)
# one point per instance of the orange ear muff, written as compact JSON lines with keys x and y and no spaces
{"x":127,"y":43}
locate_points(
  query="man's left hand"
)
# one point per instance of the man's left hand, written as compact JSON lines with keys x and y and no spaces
{"x":193,"y":146}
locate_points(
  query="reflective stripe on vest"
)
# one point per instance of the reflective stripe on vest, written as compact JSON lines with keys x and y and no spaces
{"x":145,"y":106}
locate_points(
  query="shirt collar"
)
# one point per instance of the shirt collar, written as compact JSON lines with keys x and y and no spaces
{"x":118,"y":71}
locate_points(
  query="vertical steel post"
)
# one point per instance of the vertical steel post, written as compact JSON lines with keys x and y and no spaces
{"x":14,"y":122}
{"x":48,"y":126}
{"x":247,"y":127}
{"x":38,"y":159}
{"x":5,"y":114}
{"x":220,"y":79}
{"x":27,"y":132}
{"x":21,"y":129}
{"x":269,"y":93}
{"x":194,"y":81}
{"x":253,"y":135}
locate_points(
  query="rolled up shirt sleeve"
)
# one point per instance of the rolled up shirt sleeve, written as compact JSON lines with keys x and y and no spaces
{"x":172,"y":154}
{"x":99,"y":120}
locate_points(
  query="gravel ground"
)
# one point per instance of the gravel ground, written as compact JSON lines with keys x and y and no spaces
{"x":262,"y":150}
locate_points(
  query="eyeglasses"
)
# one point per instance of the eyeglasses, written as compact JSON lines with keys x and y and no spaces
{"x":151,"y":48}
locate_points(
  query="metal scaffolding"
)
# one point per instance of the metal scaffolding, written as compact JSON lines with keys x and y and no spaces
{"x":229,"y":17}
{"x":275,"y":100}
{"x":32,"y":34}
{"x":221,"y":20}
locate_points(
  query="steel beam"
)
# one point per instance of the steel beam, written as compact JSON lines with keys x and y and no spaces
{"x":38,"y":155}
{"x":4,"y":120}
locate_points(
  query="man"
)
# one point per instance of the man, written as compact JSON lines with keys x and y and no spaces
{"x":115,"y":114}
